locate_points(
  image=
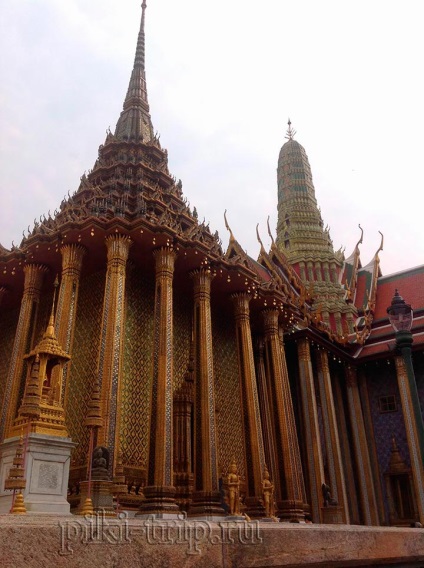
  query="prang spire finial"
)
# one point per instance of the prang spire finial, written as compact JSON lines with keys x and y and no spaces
{"x":135,"y":123}
{"x":290,"y":131}
{"x":140,"y":53}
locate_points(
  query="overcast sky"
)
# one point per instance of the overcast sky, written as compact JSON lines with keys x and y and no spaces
{"x":223,"y":77}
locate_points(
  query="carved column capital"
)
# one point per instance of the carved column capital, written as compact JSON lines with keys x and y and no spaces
{"x":303,"y":349}
{"x":241,"y":301}
{"x":72,"y":255}
{"x":34,"y":275}
{"x":270,"y":316}
{"x":165,"y":261}
{"x":322,"y":357}
{"x":118,"y":247}
{"x":202,"y":278}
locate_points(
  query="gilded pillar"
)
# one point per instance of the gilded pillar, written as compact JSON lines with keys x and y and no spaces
{"x":368,"y":504}
{"x":412,"y":434}
{"x":311,"y":428}
{"x":160,"y":490}
{"x":111,"y":342}
{"x":206,"y":498}
{"x":255,"y":457}
{"x":331,"y":435}
{"x":347,"y":460}
{"x":34,"y":275}
{"x":291,"y":497}
{"x":72,"y":255}
{"x":268,"y":430}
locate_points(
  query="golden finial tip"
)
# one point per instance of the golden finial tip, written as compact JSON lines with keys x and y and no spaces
{"x":290,"y":131}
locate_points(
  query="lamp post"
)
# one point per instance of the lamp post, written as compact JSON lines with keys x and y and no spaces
{"x":401,"y":317}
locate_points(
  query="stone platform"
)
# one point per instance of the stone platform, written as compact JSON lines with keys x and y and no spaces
{"x":37,"y":541}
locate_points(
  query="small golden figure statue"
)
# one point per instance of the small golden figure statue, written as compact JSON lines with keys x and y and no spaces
{"x":233,"y":489}
{"x":268,"y":495}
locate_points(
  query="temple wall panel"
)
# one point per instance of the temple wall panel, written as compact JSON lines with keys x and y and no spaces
{"x":8,"y":323}
{"x":418,"y":361}
{"x":382,"y":382}
{"x":183,"y":315}
{"x":84,"y":362}
{"x":43,"y":314}
{"x":227,"y":393}
{"x":136,"y":384}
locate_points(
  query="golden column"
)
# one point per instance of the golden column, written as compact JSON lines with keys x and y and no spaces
{"x":160,"y":490}
{"x":291,"y":497}
{"x":266,"y":415}
{"x":34,"y":275}
{"x":331,"y":435}
{"x":254,"y":447}
{"x":347,"y":458}
{"x":206,"y":497}
{"x":72,"y":255}
{"x":111,"y":342}
{"x":365,"y":479}
{"x":311,"y":428}
{"x":412,"y":434}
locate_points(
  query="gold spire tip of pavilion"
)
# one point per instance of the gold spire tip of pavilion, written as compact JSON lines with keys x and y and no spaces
{"x":290,"y":131}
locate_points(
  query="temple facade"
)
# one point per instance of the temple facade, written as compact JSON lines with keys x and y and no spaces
{"x":270,"y":387}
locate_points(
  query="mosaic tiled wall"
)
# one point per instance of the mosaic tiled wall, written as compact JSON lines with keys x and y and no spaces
{"x":418,"y":361}
{"x":136,"y":384}
{"x":43,"y":315}
{"x":381,"y":381}
{"x":183,"y":316}
{"x":227,"y":393}
{"x":9,"y":321}
{"x":84,"y":361}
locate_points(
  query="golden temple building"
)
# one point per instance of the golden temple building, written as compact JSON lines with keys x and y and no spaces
{"x":277,"y":381}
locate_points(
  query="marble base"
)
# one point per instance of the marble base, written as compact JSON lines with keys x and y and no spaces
{"x":74,"y":542}
{"x":47,"y":461}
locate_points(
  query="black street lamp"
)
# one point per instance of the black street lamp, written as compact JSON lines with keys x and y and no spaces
{"x":401,"y":317}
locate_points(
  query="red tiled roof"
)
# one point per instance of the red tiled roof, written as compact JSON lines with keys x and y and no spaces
{"x":386,"y":346}
{"x":260,"y":270}
{"x":410,"y":284}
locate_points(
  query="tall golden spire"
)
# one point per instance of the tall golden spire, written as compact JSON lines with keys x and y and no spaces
{"x":135,"y":123}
